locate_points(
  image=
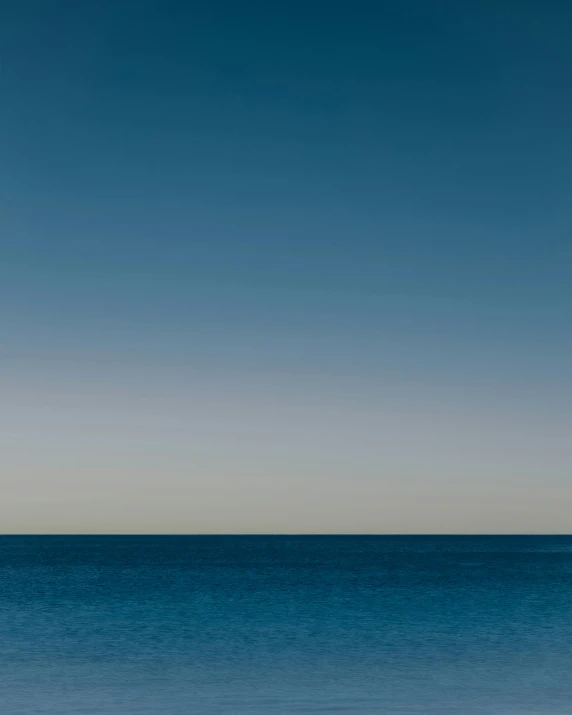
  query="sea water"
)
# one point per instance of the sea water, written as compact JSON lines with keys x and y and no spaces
{"x":166,"y":625}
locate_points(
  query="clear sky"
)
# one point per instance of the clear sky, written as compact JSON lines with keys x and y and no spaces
{"x":285,"y":266}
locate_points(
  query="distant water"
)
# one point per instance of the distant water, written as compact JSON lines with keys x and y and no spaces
{"x":245,"y":625}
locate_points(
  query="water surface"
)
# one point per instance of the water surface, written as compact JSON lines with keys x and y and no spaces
{"x":263,"y":625}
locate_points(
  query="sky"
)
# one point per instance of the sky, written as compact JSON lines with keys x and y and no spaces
{"x":291,"y":267}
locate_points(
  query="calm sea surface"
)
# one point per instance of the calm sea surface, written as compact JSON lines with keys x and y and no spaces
{"x":182,"y":625}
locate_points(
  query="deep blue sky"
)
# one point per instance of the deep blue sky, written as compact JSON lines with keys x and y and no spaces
{"x":362,"y":207}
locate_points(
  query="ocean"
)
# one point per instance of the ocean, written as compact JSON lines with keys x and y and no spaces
{"x":245,"y":625}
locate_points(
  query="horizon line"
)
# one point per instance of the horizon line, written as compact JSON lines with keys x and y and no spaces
{"x":301,"y":534}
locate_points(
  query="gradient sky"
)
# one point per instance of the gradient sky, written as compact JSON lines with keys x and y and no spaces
{"x":285,"y":266}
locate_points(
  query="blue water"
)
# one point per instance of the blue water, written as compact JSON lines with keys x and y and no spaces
{"x":184,"y":625}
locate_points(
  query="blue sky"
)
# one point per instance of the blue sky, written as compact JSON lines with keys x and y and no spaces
{"x":293,"y":267}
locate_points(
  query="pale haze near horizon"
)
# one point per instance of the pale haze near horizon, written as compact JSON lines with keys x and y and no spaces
{"x":271,"y":269}
{"x":329,"y":457}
